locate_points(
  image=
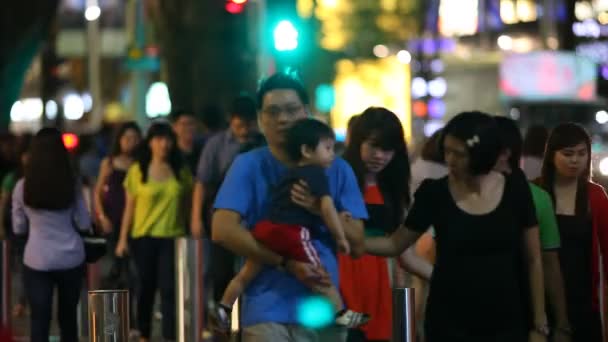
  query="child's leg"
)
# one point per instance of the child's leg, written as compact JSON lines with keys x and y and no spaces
{"x":305,"y":251}
{"x":344,"y":316}
{"x":333,"y":295}
{"x":240,"y":281}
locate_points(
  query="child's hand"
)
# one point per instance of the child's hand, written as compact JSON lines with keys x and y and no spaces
{"x":343,"y":246}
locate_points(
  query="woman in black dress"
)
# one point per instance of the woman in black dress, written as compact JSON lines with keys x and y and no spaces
{"x":581,"y":208}
{"x":483,"y":221}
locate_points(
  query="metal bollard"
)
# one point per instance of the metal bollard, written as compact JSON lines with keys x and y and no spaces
{"x":189,"y":290}
{"x":404,"y":313}
{"x":181,"y":292}
{"x":109,"y":316}
{"x":6,"y":284}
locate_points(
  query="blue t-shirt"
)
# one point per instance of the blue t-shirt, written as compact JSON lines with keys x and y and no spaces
{"x":273,"y":295}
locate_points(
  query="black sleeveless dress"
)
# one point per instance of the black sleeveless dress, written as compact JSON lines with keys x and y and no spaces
{"x":575,"y":261}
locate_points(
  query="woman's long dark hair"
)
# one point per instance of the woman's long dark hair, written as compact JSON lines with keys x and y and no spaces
{"x":564,"y":136}
{"x":175,"y":158}
{"x":384,"y":129}
{"x":120,"y":132}
{"x":50,"y":180}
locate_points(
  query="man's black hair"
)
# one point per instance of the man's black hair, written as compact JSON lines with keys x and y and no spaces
{"x":282,"y":80}
{"x":178,"y":113}
{"x":243,"y":107}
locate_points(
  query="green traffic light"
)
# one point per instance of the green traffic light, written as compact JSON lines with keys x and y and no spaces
{"x":285,"y":36}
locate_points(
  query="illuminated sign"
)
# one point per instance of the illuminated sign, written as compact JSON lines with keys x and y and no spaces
{"x":458,"y":17}
{"x":547,"y":76}
{"x":595,"y":51}
{"x":590,"y":29}
{"x":362,"y":84}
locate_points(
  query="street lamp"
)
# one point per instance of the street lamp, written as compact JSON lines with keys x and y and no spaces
{"x":93,"y":11}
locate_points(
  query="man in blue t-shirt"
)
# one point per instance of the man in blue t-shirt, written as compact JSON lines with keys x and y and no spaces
{"x":270,"y":303}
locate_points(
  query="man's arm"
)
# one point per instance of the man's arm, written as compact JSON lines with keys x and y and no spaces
{"x":206,"y":170}
{"x":226,"y":230}
{"x":355,"y":234}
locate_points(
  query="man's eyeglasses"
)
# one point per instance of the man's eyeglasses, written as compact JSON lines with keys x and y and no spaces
{"x":290,"y":110}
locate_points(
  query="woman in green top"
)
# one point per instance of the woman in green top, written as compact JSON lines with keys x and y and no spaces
{"x":157,"y":189}
{"x":508,"y":162}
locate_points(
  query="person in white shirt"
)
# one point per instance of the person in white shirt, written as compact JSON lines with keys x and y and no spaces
{"x":533,"y":151}
{"x":430,"y":163}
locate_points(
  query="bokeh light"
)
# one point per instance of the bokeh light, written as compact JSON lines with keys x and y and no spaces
{"x":315,"y":312}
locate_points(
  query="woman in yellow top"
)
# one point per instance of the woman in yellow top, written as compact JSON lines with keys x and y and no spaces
{"x":157,"y":188}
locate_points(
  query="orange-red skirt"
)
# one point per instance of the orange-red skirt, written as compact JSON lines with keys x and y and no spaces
{"x":365,"y":287}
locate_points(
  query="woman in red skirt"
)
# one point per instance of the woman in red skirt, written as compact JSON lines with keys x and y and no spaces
{"x":377,"y":152}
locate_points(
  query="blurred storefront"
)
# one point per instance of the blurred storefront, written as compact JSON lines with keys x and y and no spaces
{"x":96,"y":69}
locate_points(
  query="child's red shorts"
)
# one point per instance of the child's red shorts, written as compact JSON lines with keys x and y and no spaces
{"x":288,"y":240}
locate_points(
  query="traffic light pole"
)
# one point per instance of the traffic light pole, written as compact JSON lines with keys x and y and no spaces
{"x":94,"y":61}
{"x":50,"y":79}
{"x":139,"y":80}
{"x":264,"y":65}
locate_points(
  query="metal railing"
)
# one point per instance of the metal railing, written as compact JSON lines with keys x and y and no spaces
{"x":114,"y":304}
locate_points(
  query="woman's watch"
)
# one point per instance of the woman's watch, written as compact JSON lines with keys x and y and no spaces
{"x":542,"y":329}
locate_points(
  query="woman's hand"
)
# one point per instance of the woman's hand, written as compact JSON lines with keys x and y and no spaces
{"x":300,"y":195}
{"x":535,"y":336}
{"x":122,"y":248}
{"x":106,"y":225}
